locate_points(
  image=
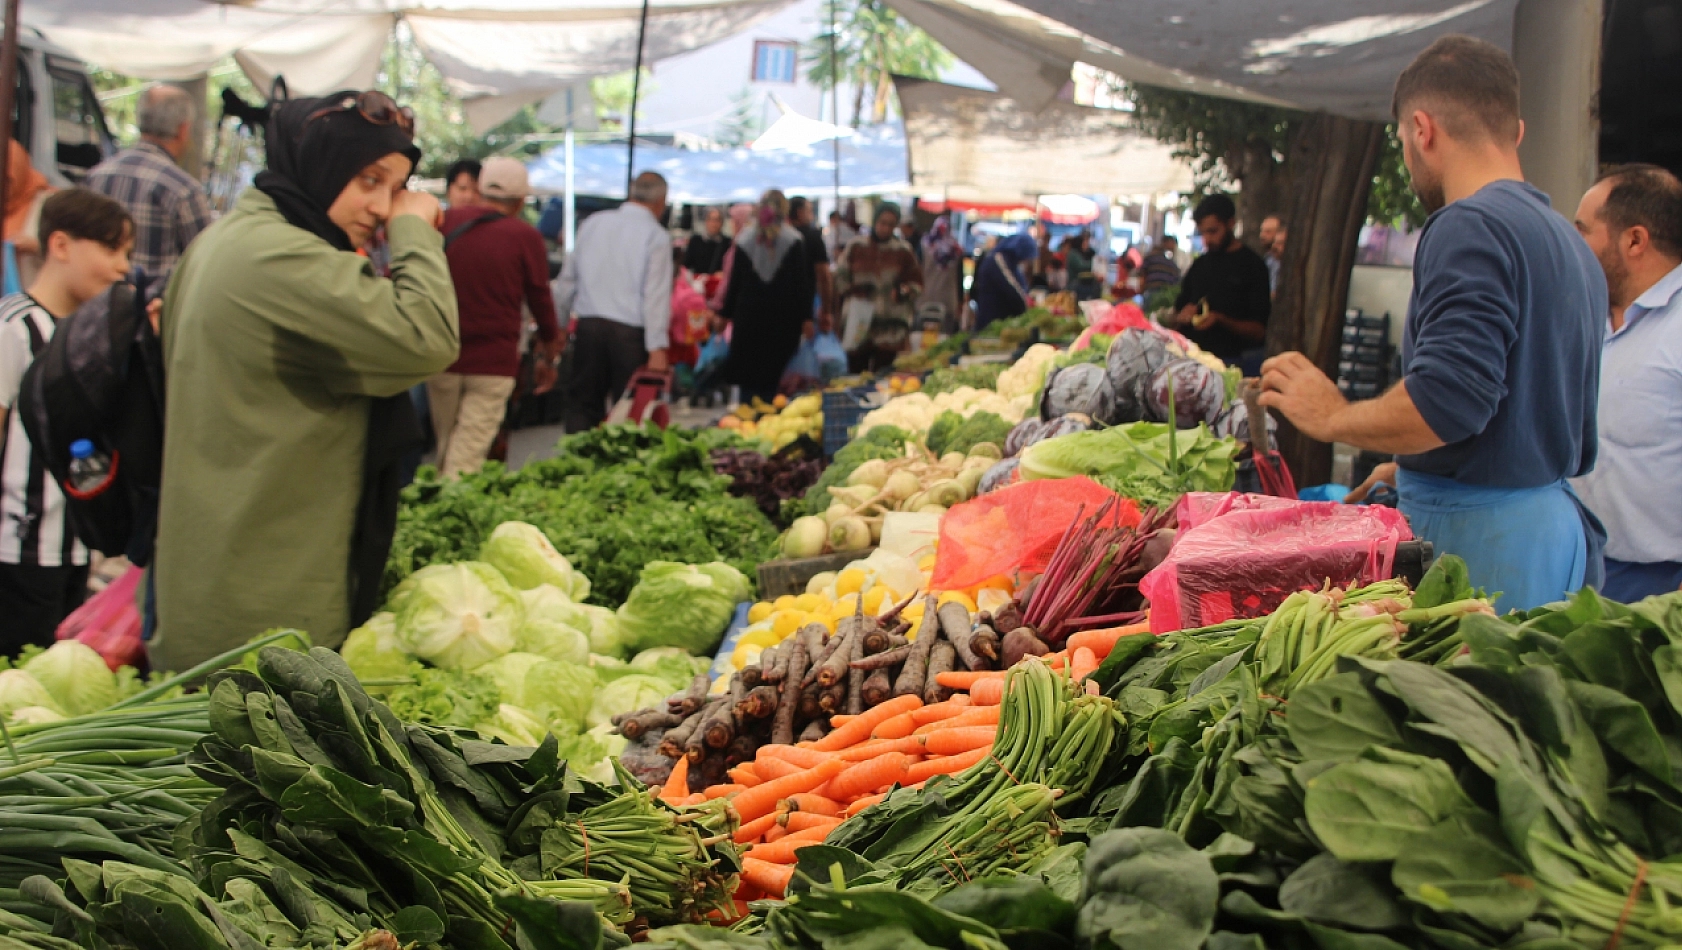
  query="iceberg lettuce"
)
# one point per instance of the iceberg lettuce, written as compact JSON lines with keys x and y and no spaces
{"x":681,"y":605}
{"x":524,"y":555}
{"x":458,"y":616}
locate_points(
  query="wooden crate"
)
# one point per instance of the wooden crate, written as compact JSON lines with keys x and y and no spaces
{"x":777,"y":578}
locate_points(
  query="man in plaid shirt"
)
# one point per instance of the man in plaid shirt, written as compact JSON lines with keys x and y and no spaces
{"x":167,"y":204}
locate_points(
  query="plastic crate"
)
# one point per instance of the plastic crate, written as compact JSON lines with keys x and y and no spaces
{"x":841,"y":412}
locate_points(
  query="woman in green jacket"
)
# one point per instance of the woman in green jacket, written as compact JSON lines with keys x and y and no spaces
{"x":287,"y":362}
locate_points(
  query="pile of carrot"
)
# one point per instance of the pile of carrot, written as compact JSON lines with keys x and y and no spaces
{"x":794,"y":794}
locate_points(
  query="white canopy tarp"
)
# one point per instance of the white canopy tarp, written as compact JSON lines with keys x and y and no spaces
{"x":1341,"y":56}
{"x":496,"y":55}
{"x":974,"y":145}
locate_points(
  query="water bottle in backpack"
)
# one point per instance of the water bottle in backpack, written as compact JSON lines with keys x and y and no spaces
{"x":90,"y":468}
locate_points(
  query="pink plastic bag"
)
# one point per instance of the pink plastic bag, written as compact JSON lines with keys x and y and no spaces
{"x":1110,"y":319}
{"x":1015,"y":529}
{"x":110,"y":623}
{"x":1240,"y":555}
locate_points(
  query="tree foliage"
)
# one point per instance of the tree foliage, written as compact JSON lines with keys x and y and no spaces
{"x":872,"y":45}
{"x":744,"y":123}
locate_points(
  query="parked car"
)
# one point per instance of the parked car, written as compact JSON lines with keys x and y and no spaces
{"x":56,"y":113}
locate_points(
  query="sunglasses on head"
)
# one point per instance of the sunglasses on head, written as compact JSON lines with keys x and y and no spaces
{"x":376,"y":107}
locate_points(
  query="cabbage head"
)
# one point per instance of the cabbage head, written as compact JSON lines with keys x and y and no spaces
{"x":550,"y":688}
{"x":681,"y":605}
{"x":458,"y":616}
{"x":628,"y":693}
{"x":374,"y":652}
{"x":515,"y":726}
{"x":672,"y":664}
{"x":606,"y":636}
{"x":19,"y":690}
{"x":76,"y":677}
{"x":555,"y":626}
{"x":524,"y":555}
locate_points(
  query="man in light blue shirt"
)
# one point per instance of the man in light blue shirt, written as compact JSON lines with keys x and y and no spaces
{"x":1632,"y":220}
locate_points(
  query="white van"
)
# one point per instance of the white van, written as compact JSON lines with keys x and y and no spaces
{"x":56,"y":114}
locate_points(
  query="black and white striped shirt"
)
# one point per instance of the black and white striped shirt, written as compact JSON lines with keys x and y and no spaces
{"x":32,"y":522}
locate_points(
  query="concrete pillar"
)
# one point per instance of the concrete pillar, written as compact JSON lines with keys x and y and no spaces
{"x":1556,"y":45}
{"x":192,"y":160}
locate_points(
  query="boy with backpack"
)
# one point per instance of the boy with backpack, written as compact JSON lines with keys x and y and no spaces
{"x":85,"y":243}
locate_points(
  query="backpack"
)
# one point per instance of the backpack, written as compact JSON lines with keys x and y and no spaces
{"x":101,"y":378}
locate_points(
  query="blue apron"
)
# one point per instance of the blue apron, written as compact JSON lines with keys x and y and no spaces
{"x":1532,"y":545}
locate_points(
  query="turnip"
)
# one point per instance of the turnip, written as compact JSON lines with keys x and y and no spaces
{"x":952,"y":460}
{"x":805,"y":537}
{"x":899,"y":486}
{"x":945,"y":494}
{"x":914,"y":502}
{"x":837,"y":509}
{"x":932,"y":510}
{"x":979,"y":463}
{"x":970,"y":478}
{"x":986,"y":450}
{"x":873,"y":473}
{"x":849,"y":534}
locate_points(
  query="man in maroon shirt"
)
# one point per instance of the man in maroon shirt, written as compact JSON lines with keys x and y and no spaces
{"x":498,"y":263}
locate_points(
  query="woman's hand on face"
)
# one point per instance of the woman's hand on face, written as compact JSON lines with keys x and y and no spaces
{"x":417,"y":203}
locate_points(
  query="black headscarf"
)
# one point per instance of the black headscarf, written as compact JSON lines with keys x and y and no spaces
{"x":310,"y":163}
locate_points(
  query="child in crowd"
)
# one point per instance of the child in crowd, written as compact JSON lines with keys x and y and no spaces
{"x":85,"y":243}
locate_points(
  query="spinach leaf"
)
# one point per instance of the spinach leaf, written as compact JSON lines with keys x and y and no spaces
{"x":1368,"y":809}
{"x":1460,"y":866}
{"x":1337,"y":718}
{"x":1337,"y":892}
{"x":1147,"y":888}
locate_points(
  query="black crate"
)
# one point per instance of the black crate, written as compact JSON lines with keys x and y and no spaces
{"x":1360,"y":373}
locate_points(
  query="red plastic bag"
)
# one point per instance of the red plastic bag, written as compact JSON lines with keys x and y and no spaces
{"x":109,"y":622}
{"x":1240,"y":555}
{"x":1015,"y":529}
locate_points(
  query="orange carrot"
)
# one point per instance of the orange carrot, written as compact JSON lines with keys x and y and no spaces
{"x":962,"y":679}
{"x":694,"y":799}
{"x":677,"y":784}
{"x":1101,"y":642}
{"x":987,"y":692}
{"x":744,"y":774}
{"x":755,"y":829}
{"x":977,"y":716}
{"x":956,"y":741}
{"x":771,"y":878}
{"x":801,"y":821}
{"x":896,"y":728}
{"x":866,"y":776}
{"x":719,"y":791}
{"x":805,"y":758}
{"x":782,"y":852}
{"x":772,"y":767}
{"x":859,"y":729}
{"x":946,"y":764}
{"x":938,"y":711}
{"x":875,"y":747}
{"x":808,"y":802}
{"x":1084,"y":663}
{"x":762,"y":798}
{"x":774,"y":833}
{"x":860,"y":804}
{"x":840,"y":719}
{"x":1057,"y":660}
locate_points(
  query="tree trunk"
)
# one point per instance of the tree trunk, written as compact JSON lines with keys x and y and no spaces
{"x":1332,"y":161}
{"x":1265,"y":186}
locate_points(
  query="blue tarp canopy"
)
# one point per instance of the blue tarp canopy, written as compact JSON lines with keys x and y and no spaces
{"x":873,"y":162}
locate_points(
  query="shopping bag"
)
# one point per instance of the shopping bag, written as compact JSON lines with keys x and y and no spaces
{"x":831,"y":355}
{"x":855,"y":322}
{"x":643,"y":401}
{"x":109,"y":622}
{"x":804,"y":362}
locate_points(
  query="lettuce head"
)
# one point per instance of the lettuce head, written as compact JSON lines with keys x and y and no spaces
{"x":513,"y":725}
{"x":374,"y":652}
{"x":628,"y":693}
{"x":671,"y":664}
{"x":458,"y":616}
{"x":681,"y":605}
{"x":75,"y":676}
{"x":19,"y":691}
{"x":599,"y":625}
{"x":550,"y":688}
{"x":524,"y":555}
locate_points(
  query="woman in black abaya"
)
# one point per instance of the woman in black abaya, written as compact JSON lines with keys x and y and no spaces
{"x":769,"y":300}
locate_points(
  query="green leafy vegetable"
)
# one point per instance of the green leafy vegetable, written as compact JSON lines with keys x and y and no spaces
{"x":374,"y":650}
{"x":458,"y":615}
{"x":527,"y":559}
{"x":681,"y":605}
{"x":952,"y":432}
{"x":1146,"y":887}
{"x":75,"y":676}
{"x":1146,"y":461}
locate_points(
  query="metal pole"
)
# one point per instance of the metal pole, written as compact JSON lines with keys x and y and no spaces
{"x":570,"y":210}
{"x":8,"y":92}
{"x":835,"y":112}
{"x":636,"y":91}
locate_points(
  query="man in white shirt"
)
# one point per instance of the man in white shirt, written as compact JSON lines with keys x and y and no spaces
{"x":619,"y":284}
{"x":1632,"y":220}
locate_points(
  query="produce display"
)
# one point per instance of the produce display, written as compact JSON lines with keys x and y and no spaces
{"x":917,"y":412}
{"x":950,"y":378}
{"x":771,"y":480}
{"x":934,"y":356}
{"x":779,"y":422}
{"x":918,"y":481}
{"x":1061,"y":322}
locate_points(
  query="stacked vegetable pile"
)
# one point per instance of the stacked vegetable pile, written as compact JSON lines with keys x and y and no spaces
{"x":1064,"y":323}
{"x":614,"y":500}
{"x":779,"y":422}
{"x":65,"y":680}
{"x":919,"y":481}
{"x":771,"y":480}
{"x":951,"y":378}
{"x":932,"y":357}
{"x":503,"y":646}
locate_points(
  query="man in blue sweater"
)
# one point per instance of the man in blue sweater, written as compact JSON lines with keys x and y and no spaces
{"x":1500,"y":352}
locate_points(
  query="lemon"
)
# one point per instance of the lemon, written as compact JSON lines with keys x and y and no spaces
{"x":996,"y":582}
{"x":808,"y":602}
{"x":845,"y":606}
{"x":925,"y":563}
{"x":849,"y":581}
{"x":957,"y":596}
{"x":785,"y":622}
{"x":759,"y":612}
{"x":745,"y":653}
{"x":763,"y":637}
{"x":914,"y":614}
{"x":785,"y":602}
{"x":873,"y":600}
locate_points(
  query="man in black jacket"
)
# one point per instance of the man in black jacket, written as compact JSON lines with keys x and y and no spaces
{"x":704,"y":254}
{"x":1224,"y":300}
